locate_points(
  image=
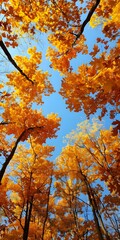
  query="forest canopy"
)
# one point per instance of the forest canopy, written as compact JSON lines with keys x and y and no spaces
{"x":76,"y":195}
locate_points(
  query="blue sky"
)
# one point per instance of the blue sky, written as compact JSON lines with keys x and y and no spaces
{"x":55,"y":103}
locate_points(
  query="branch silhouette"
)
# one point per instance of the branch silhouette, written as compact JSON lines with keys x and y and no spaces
{"x":8,"y":159}
{"x":2,"y":45}
{"x":86,"y":21}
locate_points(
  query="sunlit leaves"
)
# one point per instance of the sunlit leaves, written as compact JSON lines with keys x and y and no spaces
{"x":90,"y":158}
{"x":96,"y":152}
{"x":24,"y":90}
{"x":95,"y":85}
{"x":77,"y":203}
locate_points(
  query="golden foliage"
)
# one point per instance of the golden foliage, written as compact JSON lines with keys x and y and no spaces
{"x":90,"y":162}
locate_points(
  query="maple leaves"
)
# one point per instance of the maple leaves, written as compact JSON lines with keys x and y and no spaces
{"x":87,"y":158}
{"x":29,"y":187}
{"x":94,"y":86}
{"x":21,"y":124}
{"x":39,"y":199}
{"x":27,"y":122}
{"x":107,"y":14}
{"x":27,"y":92}
{"x":2,"y":45}
{"x":19,"y":120}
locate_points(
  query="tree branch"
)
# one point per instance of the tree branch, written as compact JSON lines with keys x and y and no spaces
{"x":86,"y":21}
{"x":8,"y":159}
{"x":6,"y":123}
{"x":2,"y":45}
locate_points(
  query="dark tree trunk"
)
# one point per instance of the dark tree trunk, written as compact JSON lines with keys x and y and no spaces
{"x":27,"y":219}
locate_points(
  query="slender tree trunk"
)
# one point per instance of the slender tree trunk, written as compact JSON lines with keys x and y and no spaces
{"x":91,"y":200}
{"x":47,"y":210}
{"x":100,"y":235}
{"x":9,"y":158}
{"x":27,"y":218}
{"x":98,"y":215}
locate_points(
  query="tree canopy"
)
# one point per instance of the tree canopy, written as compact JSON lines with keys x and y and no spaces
{"x":76,"y":196}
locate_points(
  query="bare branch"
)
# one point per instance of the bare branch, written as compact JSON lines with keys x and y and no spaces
{"x":2,"y":45}
{"x":86,"y":21}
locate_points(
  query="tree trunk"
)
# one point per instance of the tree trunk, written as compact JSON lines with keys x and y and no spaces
{"x":91,"y":200}
{"x":27,"y":218}
{"x":98,"y":214}
{"x":100,"y":235}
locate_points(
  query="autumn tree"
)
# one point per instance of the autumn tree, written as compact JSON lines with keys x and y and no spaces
{"x":29,"y":193}
{"x":85,"y":165}
{"x":66,"y":33}
{"x":18,"y":117}
{"x":93,"y":158}
{"x":96,"y":84}
{"x":20,"y":123}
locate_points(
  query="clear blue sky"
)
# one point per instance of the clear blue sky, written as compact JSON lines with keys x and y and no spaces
{"x":55,"y":102}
